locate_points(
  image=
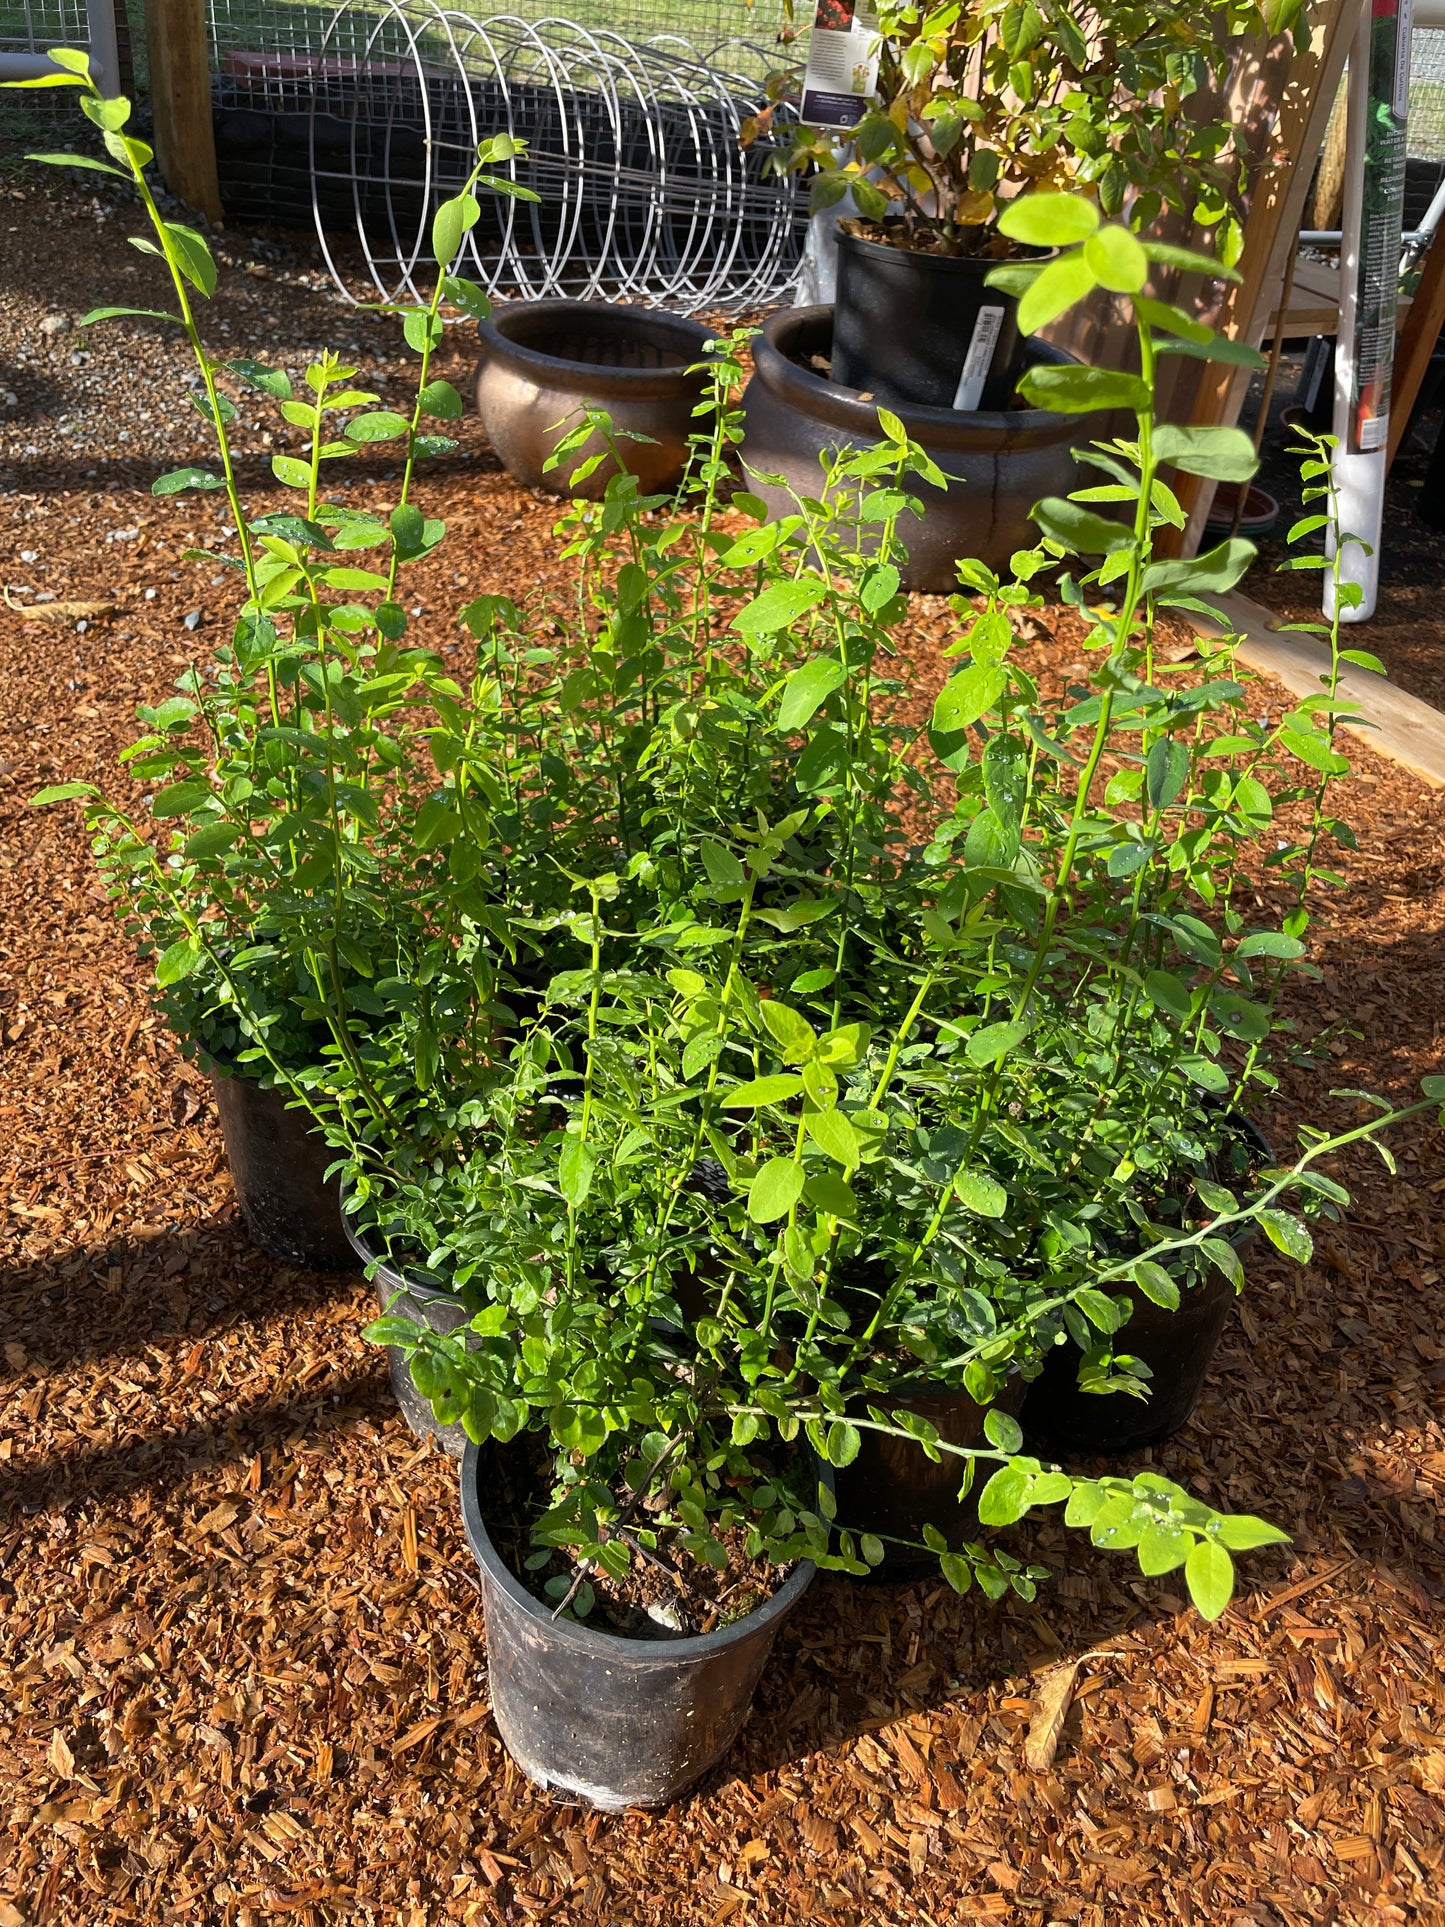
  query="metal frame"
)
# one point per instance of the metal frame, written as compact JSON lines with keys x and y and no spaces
{"x":102,"y":48}
{"x":647,"y":193}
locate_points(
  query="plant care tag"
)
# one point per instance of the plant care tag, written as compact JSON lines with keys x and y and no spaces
{"x":987,"y":326}
{"x":842,"y":68}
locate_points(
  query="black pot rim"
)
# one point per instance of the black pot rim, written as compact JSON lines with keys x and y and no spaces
{"x":583,"y":1639}
{"x":385,"y":1274}
{"x":600,"y":382}
{"x":940,"y":430}
{"x":969,"y":264}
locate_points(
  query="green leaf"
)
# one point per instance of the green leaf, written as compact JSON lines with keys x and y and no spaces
{"x":1170,"y":256}
{"x":287,"y":469}
{"x":450,"y":223}
{"x":956,"y":1570}
{"x":1209,"y":574}
{"x":1003,"y":1430}
{"x":67,"y":792}
{"x":1079,"y":529}
{"x":1209,"y":1574}
{"x":763,"y":1090}
{"x":806,"y":689}
{"x":1078,"y":390}
{"x":1312,"y":748}
{"x":775,"y":1190}
{"x":967,"y":696}
{"x":211,"y":840}
{"x":826,"y":1191}
{"x":1165,"y":768}
{"x":1222,"y":454}
{"x":575,"y":1168}
{"x":183,"y":478}
{"x":779,"y":606}
{"x":794,"y":1035}
{"x":181,"y":960}
{"x":1161,"y":1549}
{"x":78,"y":160}
{"x":1005,"y":1499}
{"x":1049,"y":220}
{"x":193,"y":257}
{"x":832,"y":1133}
{"x":1156,"y":1284}
{"x":269,"y":381}
{"x":843,"y":1442}
{"x":981,"y":1193}
{"x":1116,"y":260}
{"x":441,"y":401}
{"x":1169,"y":993}
{"x":376,"y":425}
{"x":179,"y":799}
{"x":995,"y":1041}
{"x":112,"y":314}
{"x":1063,"y":284}
{"x":1288,"y":1235}
{"x":1242,"y":1532}
{"x":723,"y":868}
{"x":1270,"y":943}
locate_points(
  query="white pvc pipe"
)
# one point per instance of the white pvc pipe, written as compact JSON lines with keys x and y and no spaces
{"x":103,"y":50}
{"x":1359,"y":474}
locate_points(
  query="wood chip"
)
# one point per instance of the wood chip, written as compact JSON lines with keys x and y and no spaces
{"x":1051,"y":1709}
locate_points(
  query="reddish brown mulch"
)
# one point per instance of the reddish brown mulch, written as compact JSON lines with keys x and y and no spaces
{"x":243,"y":1656}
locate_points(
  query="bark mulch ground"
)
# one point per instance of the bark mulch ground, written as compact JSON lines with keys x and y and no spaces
{"x":243,"y":1656}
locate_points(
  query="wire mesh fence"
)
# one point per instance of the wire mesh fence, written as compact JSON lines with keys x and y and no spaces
{"x":361,"y":118}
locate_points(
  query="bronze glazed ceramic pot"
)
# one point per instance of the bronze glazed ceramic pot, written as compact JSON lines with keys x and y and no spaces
{"x":542,"y":359}
{"x":1003,"y":461}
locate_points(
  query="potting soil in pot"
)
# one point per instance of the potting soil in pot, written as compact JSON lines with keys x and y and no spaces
{"x":667,"y":1592}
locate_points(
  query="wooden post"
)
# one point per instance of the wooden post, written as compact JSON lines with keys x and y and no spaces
{"x":1274,"y":219}
{"x":1417,"y":340}
{"x":180,"y":64}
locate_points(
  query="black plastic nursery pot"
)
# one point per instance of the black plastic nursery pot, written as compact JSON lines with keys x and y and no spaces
{"x":278,"y":1165}
{"x":542,"y":359}
{"x":894,"y":1489}
{"x":922,"y":328}
{"x":1177,"y":1346}
{"x":401,"y":1297}
{"x":611,"y":1721}
{"x":998,"y":463}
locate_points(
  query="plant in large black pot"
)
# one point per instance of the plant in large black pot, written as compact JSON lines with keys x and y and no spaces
{"x":310,"y":787}
{"x":757,"y":1183}
{"x":979,"y":103}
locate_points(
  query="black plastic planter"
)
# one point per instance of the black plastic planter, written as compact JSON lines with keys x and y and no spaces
{"x":278,"y":1166}
{"x":998,"y":464}
{"x":1177,"y":1346}
{"x":894,"y":1489}
{"x":428,"y":1306}
{"x":610,"y":1721}
{"x":923,"y":329}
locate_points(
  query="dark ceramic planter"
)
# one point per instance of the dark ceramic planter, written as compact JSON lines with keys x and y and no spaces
{"x":894,"y":1488}
{"x":403,"y":1297}
{"x":278,"y":1165}
{"x":999,"y":464}
{"x":611,"y":1721}
{"x":923,"y":330}
{"x":542,"y":359}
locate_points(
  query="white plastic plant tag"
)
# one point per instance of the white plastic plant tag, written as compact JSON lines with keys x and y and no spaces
{"x":842,"y":69}
{"x":979,"y":359}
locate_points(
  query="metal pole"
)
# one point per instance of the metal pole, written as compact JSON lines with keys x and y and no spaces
{"x":104,"y":51}
{"x":1378,"y":101}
